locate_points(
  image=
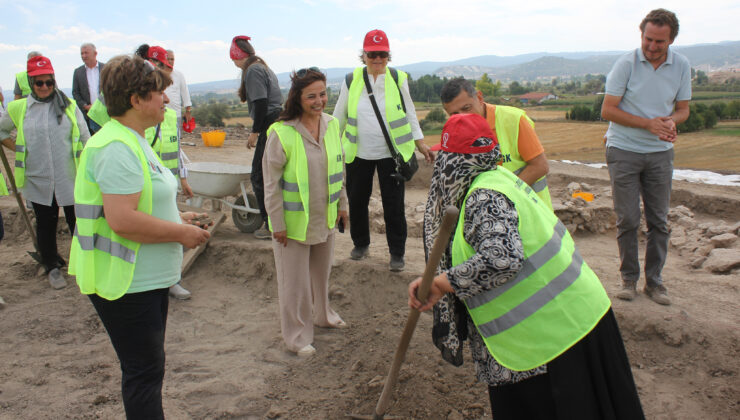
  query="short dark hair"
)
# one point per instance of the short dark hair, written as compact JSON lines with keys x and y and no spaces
{"x":293,"y":108}
{"x":452,"y":89}
{"x":661,"y":17}
{"x":124,"y":76}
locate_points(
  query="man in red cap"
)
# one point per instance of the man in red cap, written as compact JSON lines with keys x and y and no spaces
{"x":521,"y":150}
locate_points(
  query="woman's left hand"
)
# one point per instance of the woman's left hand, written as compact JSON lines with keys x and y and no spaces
{"x":424,"y":150}
{"x":343,"y":215}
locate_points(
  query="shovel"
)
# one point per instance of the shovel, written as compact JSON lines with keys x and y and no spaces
{"x":22,"y":208}
{"x":449,"y":221}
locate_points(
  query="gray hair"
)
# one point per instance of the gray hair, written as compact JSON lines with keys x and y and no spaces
{"x":169,"y":52}
{"x":90,"y":45}
{"x":452,"y":89}
{"x":33,"y":54}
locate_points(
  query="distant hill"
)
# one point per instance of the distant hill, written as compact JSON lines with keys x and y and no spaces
{"x":532,"y":66}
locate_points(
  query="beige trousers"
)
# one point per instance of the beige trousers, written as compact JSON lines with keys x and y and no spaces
{"x":303,"y":290}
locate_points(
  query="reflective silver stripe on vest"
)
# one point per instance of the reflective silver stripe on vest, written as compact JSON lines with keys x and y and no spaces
{"x":520,"y":170}
{"x":88,"y":211}
{"x":404,"y":139}
{"x":20,"y":148}
{"x":398,"y":123}
{"x":20,"y":164}
{"x":292,"y":206}
{"x":536,"y":301}
{"x":352,"y":121}
{"x":175,"y":171}
{"x":288,"y":186}
{"x":352,"y":138}
{"x":169,"y":155}
{"x":334,"y":197}
{"x":101,"y":243}
{"x":337,"y":177}
{"x":540,"y":184}
{"x":548,"y":251}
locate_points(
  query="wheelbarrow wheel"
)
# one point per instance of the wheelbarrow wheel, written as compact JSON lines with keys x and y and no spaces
{"x":246,"y":222}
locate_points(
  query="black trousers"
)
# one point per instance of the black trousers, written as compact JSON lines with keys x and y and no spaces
{"x":258,"y":183}
{"x":359,"y":188}
{"x":47,"y":218}
{"x":136,"y":327}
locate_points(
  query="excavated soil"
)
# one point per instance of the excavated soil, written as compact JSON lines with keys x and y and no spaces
{"x":226,"y":359}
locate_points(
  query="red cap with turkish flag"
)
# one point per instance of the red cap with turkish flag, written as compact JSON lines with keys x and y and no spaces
{"x":460,"y":133}
{"x":159,"y":54}
{"x":39,"y":65}
{"x":376,"y":40}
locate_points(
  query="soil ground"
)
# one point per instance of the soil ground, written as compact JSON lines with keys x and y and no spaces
{"x":226,"y":359}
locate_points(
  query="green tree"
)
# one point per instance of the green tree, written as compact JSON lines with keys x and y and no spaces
{"x":516,"y":89}
{"x":701,"y":78}
{"x":212,"y":114}
{"x":487,"y":87}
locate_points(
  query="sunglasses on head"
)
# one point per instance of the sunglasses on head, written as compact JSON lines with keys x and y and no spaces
{"x":304,"y":72}
{"x":376,"y":54}
{"x":41,"y":83}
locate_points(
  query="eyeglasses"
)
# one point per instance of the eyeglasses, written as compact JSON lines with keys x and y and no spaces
{"x":376,"y":54}
{"x":304,"y":72}
{"x":41,"y":83}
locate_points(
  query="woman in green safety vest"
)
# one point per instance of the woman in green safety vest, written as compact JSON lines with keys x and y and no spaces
{"x":539,"y":323}
{"x":128,"y":246}
{"x":305,"y":200}
{"x":51,"y":132}
{"x":366,"y":149}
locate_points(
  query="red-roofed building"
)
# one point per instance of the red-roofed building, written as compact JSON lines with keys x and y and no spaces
{"x":537,"y":97}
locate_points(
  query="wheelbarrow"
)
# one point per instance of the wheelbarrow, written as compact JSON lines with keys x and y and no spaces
{"x":217,"y":181}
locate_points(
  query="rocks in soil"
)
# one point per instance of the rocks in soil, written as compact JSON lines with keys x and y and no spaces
{"x":712,"y":246}
{"x":722,"y":260}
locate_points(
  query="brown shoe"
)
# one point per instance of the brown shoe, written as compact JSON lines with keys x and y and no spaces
{"x":628,"y":292}
{"x":658,"y":294}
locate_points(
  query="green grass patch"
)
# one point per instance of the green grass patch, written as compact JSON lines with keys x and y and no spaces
{"x":725,"y":131}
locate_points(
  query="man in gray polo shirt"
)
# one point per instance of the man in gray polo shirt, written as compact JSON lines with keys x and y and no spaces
{"x":647,"y":94}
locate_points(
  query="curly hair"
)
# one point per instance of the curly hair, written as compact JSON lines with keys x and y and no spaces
{"x":124,"y":76}
{"x":293,"y":108}
{"x":661,"y":17}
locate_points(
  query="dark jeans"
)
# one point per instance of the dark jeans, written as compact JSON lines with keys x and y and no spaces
{"x":258,"y":183}
{"x":648,"y":175}
{"x":136,"y":327}
{"x":359,"y":188}
{"x":47,"y":218}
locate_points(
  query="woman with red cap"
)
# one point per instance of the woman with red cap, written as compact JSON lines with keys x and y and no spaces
{"x":259,"y":88}
{"x":51,"y":132}
{"x":368,"y":128}
{"x":540,"y":326}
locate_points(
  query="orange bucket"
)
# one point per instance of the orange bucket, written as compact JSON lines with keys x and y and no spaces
{"x":584,"y":195}
{"x":213,"y":138}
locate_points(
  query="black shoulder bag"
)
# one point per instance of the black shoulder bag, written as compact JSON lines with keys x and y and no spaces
{"x":404,"y":170}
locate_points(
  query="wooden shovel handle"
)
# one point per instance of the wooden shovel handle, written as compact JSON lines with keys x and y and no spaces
{"x":449,"y":221}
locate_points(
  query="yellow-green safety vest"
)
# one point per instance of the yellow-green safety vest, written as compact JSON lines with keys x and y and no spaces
{"x":167,"y":145}
{"x":103,"y":261}
{"x":22,"y":79}
{"x":295,"y":178}
{"x":507,"y":133}
{"x":98,"y":112}
{"x":3,"y":185}
{"x":400,"y":129}
{"x":17,"y":112}
{"x":554,"y":300}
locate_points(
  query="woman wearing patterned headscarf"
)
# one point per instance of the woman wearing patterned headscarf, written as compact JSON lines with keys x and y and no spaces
{"x":541,"y":329}
{"x":51,"y":134}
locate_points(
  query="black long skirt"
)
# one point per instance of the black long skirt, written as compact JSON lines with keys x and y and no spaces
{"x":591,"y":380}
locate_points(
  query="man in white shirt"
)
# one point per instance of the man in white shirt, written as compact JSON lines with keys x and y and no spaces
{"x":178,"y":92}
{"x":86,"y":82}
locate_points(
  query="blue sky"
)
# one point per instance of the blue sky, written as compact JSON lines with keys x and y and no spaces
{"x":295,"y":34}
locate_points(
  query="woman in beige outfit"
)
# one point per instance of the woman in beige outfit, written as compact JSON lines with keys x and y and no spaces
{"x":303,"y":170}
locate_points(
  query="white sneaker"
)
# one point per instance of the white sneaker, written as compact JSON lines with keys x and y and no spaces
{"x":263,"y":233}
{"x":56,"y":279}
{"x":307,"y":351}
{"x":178,"y":292}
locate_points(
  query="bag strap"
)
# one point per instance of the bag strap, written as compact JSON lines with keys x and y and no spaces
{"x":156,"y":134}
{"x":394,"y":73}
{"x":392,"y":149}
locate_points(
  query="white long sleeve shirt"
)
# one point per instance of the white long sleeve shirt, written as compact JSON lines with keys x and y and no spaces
{"x":371,"y":143}
{"x":178,"y":93}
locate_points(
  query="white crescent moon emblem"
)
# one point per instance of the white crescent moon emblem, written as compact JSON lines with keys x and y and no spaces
{"x":376,"y":40}
{"x":40,"y":63}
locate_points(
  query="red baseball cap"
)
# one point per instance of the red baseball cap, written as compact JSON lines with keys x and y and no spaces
{"x":460,"y":133}
{"x":159,"y":54}
{"x":39,"y":65}
{"x":376,"y":40}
